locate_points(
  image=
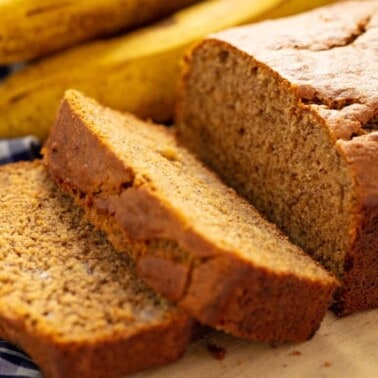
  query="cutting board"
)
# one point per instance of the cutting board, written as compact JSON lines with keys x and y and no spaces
{"x":345,"y":348}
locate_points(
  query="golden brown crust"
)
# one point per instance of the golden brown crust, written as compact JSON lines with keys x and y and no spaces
{"x":329,"y":66}
{"x":360,"y":288}
{"x":220,"y":289}
{"x":112,"y":358}
{"x":251,"y":302}
{"x":223,"y":291}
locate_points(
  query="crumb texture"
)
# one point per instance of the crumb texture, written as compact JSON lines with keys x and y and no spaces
{"x":286,"y":112}
{"x":148,"y":162}
{"x":226,"y":265}
{"x":63,"y":284}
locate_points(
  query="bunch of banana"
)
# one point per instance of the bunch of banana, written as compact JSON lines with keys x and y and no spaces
{"x":32,"y":28}
{"x":137,"y":72}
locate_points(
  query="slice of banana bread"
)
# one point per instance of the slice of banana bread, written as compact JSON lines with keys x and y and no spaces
{"x":66,"y":296}
{"x":229,"y":269}
{"x":286,"y":112}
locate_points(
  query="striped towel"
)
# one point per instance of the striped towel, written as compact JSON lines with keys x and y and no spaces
{"x":12,"y":150}
{"x":4,"y":71}
{"x":13,"y":362}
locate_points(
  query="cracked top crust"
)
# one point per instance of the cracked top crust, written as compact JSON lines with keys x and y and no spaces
{"x":330,"y":58}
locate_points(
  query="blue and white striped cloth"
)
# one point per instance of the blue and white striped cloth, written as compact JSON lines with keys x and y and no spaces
{"x":13,"y":362}
{"x":12,"y":150}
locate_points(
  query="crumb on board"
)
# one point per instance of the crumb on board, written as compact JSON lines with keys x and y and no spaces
{"x":327,"y":364}
{"x":216,"y":351}
{"x":295,"y":353}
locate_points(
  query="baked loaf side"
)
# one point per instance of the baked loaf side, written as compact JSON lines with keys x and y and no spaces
{"x":286,"y":112}
{"x":66,"y":296}
{"x":229,"y":267}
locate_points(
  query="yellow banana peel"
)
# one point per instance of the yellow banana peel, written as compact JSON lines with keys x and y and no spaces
{"x":33,"y":28}
{"x":137,"y":72}
{"x":291,"y":7}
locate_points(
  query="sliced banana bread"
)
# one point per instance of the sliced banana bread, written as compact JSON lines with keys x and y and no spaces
{"x":66,"y":296}
{"x":218,"y":258}
{"x":286,"y":112}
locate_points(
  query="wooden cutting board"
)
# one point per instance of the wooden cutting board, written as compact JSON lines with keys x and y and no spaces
{"x":345,"y":348}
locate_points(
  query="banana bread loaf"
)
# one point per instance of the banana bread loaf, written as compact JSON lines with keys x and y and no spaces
{"x":221,"y":261}
{"x":286,"y":112}
{"x":66,"y":296}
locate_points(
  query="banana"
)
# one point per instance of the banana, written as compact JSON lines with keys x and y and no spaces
{"x":33,"y":28}
{"x":137,"y":72}
{"x":288,"y":8}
